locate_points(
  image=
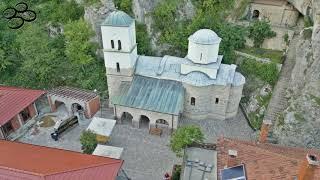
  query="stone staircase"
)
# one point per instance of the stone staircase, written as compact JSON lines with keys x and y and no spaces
{"x":279,"y":102}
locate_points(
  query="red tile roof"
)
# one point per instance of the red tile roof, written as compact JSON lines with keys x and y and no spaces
{"x":13,"y":100}
{"x":26,"y":161}
{"x":265,"y":161}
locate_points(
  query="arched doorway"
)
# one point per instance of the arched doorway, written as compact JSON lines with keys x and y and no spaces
{"x":61,"y":108}
{"x":77,"y":110}
{"x":255,"y":14}
{"x":144,"y":121}
{"x":126,"y":118}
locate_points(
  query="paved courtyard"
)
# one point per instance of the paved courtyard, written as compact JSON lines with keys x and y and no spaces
{"x":146,"y":156}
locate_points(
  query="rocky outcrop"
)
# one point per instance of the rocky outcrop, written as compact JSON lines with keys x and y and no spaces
{"x":299,"y":125}
{"x":95,"y":15}
{"x":306,"y":7}
{"x":142,"y":10}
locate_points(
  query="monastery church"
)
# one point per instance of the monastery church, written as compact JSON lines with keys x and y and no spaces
{"x":161,"y":90}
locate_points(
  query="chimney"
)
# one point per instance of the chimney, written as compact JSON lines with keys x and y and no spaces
{"x":308,"y":167}
{"x":232,"y":158}
{"x":263,"y":138}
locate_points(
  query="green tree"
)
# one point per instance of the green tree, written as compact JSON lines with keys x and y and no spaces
{"x":259,"y":31}
{"x":88,"y":141}
{"x":79,"y":49}
{"x":185,"y":136}
{"x":124,"y":5}
{"x":143,"y":40}
{"x":40,"y":64}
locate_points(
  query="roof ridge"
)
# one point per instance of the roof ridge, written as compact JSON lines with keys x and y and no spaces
{"x":87,"y":167}
{"x":257,"y":145}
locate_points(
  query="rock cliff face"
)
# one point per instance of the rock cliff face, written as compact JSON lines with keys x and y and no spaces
{"x":142,"y":10}
{"x":300,"y":123}
{"x":306,"y":7}
{"x":96,"y":14}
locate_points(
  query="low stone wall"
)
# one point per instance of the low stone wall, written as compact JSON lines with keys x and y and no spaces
{"x":263,"y":60}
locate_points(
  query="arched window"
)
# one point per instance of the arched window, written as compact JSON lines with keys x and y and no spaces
{"x":119,"y":45}
{"x":112,"y":44}
{"x":193,"y":101}
{"x":118,"y":67}
{"x":217,"y":100}
{"x":255,"y":14}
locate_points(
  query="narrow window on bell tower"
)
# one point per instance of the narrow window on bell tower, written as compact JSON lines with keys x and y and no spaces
{"x":217,"y":100}
{"x":118,"y":67}
{"x":200,"y":56}
{"x":193,"y":101}
{"x":112,"y":44}
{"x":119,"y":45}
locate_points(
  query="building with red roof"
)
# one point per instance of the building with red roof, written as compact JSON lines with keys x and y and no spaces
{"x":265,"y":161}
{"x":231,"y":159}
{"x":17,"y":106}
{"x":19,"y":161}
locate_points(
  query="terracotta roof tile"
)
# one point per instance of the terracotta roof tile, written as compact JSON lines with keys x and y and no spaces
{"x":13,"y":100}
{"x":26,"y":160}
{"x":264,"y":161}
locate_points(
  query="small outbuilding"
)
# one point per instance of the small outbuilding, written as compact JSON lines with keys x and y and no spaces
{"x":102,"y":127}
{"x":17,"y":107}
{"x":75,"y":100}
{"x":108,"y":151}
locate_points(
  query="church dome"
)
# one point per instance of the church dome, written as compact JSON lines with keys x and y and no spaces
{"x":118,"y":18}
{"x":205,"y":36}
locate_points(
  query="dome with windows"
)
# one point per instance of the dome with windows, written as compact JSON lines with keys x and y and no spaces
{"x":118,"y":18}
{"x":205,"y":36}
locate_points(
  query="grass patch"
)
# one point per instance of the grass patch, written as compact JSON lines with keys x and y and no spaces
{"x":47,"y":121}
{"x":255,"y":119}
{"x":274,"y":55}
{"x":315,"y":98}
{"x":264,"y":100}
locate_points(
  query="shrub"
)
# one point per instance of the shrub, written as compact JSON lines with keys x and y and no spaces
{"x":259,"y":31}
{"x":185,"y":136}
{"x":267,"y":72}
{"x":88,"y":141}
{"x":143,"y":40}
{"x":124,"y":5}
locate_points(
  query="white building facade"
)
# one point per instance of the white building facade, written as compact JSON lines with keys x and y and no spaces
{"x":198,"y":86}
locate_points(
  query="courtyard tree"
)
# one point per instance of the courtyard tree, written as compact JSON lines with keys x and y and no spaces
{"x":88,"y":141}
{"x":184,"y":136}
{"x":259,"y":31}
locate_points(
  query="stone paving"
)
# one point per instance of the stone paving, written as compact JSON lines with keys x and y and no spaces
{"x":145,"y":156}
{"x":236,"y":127}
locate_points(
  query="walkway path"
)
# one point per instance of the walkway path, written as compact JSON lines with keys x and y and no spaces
{"x":279,"y":102}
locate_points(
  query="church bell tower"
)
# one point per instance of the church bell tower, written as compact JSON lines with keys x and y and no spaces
{"x":119,"y":48}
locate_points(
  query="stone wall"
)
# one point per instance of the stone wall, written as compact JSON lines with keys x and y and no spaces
{"x":93,"y":106}
{"x":115,"y":80}
{"x":205,"y":101}
{"x":234,"y":100}
{"x":278,"y":15}
{"x":153,"y":116}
